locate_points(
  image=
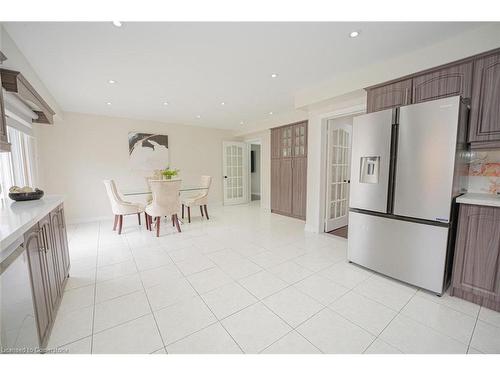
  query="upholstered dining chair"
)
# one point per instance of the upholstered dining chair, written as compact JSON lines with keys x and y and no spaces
{"x":165,"y":202}
{"x":121,"y":207}
{"x":149,"y":197}
{"x":200,"y":199}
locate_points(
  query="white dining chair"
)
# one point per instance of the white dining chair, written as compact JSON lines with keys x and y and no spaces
{"x":200,"y":199}
{"x":121,"y":207}
{"x":165,"y":202}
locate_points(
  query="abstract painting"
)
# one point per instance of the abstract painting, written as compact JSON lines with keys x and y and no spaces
{"x":148,"y":152}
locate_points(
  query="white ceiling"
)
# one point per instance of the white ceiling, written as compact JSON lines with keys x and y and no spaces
{"x":196,"y":66}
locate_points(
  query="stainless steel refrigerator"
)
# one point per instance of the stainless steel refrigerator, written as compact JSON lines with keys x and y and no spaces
{"x":408,"y":165}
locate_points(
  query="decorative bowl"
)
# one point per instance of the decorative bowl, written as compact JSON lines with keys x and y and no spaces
{"x":18,"y":197}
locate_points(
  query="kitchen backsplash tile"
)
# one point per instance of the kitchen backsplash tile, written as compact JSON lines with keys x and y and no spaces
{"x":484,"y":172}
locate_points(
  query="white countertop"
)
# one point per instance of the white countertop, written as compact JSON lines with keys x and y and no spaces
{"x":17,"y":217}
{"x":480,"y":199}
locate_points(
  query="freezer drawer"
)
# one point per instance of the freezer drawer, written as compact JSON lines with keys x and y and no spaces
{"x":427,"y":142}
{"x":411,"y":252}
{"x":371,"y":154}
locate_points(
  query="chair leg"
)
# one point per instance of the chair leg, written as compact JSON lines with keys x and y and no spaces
{"x":158,"y":219}
{"x":177,"y":223}
{"x":116,"y":222}
{"x":206,"y":212}
{"x":146,"y":220}
{"x":139,"y":217}
{"x":201,"y":210}
{"x":173,"y":221}
{"x":120,"y":224}
{"x":150,"y":218}
{"x":183,"y":211}
{"x":189,"y":214}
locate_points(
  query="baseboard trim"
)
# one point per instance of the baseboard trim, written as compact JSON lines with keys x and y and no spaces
{"x":311,"y":228}
{"x":83,"y":220}
{"x":90,"y":219}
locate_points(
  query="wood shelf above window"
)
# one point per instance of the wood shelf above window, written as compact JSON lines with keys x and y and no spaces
{"x":15,"y":82}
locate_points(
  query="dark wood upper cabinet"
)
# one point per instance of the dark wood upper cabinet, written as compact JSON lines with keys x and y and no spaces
{"x":300,"y":139}
{"x":485,"y":106}
{"x":389,"y":96}
{"x":286,"y":142}
{"x":444,"y":82}
{"x":476,"y":78}
{"x":476,"y":268}
{"x":275,"y":143}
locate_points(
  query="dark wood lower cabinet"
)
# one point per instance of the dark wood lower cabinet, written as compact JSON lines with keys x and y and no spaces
{"x":476,"y":267}
{"x":34,"y":248}
{"x":47,"y":248}
{"x":299,"y":196}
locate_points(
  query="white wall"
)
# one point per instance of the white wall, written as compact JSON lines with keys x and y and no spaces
{"x":255,"y":175}
{"x":77,"y":153}
{"x":462,"y":45}
{"x":17,"y":61}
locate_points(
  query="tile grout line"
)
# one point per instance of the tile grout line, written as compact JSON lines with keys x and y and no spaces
{"x":95,"y":288}
{"x":147,"y":297}
{"x":473,"y":329}
{"x":208,"y":307}
{"x":395,"y":316}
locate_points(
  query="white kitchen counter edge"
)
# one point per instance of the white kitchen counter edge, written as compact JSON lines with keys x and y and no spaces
{"x":480,"y":199}
{"x":18,"y":217}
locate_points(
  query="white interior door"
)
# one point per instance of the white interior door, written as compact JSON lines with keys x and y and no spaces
{"x":235,"y":169}
{"x":338,"y":173}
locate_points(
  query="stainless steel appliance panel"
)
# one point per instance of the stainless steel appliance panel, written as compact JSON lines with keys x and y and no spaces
{"x":427,"y":141}
{"x":411,"y":252}
{"x":371,"y":153}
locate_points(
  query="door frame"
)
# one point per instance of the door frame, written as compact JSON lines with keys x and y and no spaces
{"x":254,"y":141}
{"x":349,"y":111}
{"x":327,"y":182}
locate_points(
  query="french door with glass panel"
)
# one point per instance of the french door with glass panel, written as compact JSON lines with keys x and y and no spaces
{"x":338,"y":175}
{"x":235,"y":169}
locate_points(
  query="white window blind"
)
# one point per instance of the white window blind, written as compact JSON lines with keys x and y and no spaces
{"x":18,"y":167}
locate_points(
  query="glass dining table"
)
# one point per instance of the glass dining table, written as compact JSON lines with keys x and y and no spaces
{"x":146,"y":191}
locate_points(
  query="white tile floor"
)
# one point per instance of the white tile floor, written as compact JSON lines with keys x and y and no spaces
{"x":248,"y":282}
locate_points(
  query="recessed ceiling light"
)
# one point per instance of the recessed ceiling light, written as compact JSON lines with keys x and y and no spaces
{"x":270,"y":113}
{"x":274,"y":75}
{"x":354,"y":34}
{"x":198,"y":116}
{"x":222,"y":103}
{"x":117,"y":23}
{"x":165,"y":103}
{"x":111,"y":81}
{"x":108,"y":103}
